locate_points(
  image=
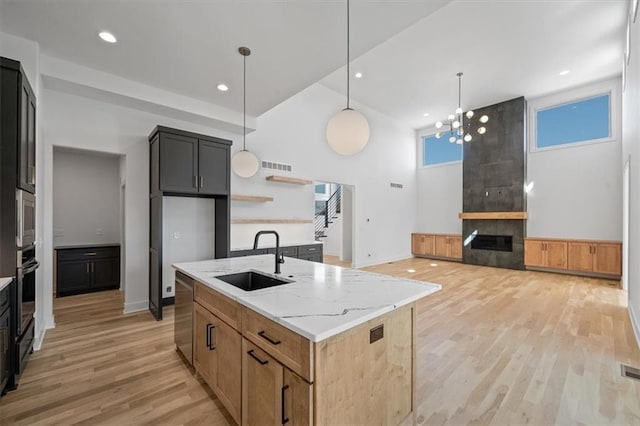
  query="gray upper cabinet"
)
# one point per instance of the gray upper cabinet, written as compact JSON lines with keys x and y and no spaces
{"x":191,"y":163}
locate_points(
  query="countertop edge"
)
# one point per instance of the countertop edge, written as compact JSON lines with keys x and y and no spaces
{"x":4,"y":282}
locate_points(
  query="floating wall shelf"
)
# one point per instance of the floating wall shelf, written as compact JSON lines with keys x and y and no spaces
{"x":286,"y":179}
{"x":493,"y":215}
{"x":254,"y":198}
{"x":265,"y":221}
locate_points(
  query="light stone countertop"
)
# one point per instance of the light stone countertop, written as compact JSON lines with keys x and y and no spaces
{"x":323,"y":300}
{"x":5,"y":281}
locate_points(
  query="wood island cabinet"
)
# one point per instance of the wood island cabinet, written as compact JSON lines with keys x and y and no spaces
{"x":585,"y":257}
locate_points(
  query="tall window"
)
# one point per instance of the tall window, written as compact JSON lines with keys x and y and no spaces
{"x":585,"y":120}
{"x":439,"y":151}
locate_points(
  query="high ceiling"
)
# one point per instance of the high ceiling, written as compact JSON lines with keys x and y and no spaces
{"x":505,"y":49}
{"x":189,"y":47}
{"x":408,"y":50}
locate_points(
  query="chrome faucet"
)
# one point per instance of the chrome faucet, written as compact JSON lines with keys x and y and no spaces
{"x":279,"y":257}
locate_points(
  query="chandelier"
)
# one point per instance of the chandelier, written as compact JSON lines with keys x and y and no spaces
{"x":459,"y":129}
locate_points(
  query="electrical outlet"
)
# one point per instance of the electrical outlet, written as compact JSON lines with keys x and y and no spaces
{"x":176,"y":235}
{"x":99,"y":231}
{"x":169,"y":289}
{"x":58,"y":232}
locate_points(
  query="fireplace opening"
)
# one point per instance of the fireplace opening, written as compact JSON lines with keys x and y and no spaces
{"x":492,"y":242}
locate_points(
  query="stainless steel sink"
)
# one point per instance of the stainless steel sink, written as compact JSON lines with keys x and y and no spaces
{"x":251,"y":280}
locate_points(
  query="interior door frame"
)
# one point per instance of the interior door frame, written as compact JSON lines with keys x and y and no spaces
{"x":626,"y":171}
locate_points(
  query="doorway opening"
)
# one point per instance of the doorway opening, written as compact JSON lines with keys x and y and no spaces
{"x":88,"y":233}
{"x":333,"y":221}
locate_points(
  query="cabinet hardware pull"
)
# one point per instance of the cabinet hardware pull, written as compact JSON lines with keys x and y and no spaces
{"x":211,"y":337}
{"x":201,"y":182}
{"x":265,"y":337}
{"x":284,"y":412}
{"x":90,"y":253}
{"x":256,"y":358}
{"x":87,"y":268}
{"x":195,"y":182}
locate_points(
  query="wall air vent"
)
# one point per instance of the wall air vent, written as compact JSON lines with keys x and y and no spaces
{"x":281,"y":167}
{"x":628,"y":371}
{"x":397,"y":185}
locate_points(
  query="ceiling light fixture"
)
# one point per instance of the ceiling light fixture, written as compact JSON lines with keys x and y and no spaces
{"x":244,"y":163}
{"x":358,"y":75}
{"x":426,"y":114}
{"x":223,"y":87}
{"x":107,"y":36}
{"x":565,"y":72}
{"x":459,"y":131}
{"x":348,"y":130}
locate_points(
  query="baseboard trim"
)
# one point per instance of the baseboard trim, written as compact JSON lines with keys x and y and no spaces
{"x":132,"y":307}
{"x":635,"y":324}
{"x":168,"y":301}
{"x":38,"y":340}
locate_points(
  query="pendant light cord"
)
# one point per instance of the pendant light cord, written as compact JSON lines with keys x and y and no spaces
{"x":348,"y":57}
{"x":244,"y":104}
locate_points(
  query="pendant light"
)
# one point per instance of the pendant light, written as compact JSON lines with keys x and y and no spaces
{"x":244,"y":163}
{"x":348,"y":130}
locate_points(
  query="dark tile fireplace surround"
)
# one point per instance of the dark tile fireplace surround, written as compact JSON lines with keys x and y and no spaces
{"x":494,"y":175}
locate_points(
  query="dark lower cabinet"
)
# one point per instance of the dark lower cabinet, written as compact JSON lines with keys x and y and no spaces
{"x":311,"y":252}
{"x":5,"y":339}
{"x":87,"y":269}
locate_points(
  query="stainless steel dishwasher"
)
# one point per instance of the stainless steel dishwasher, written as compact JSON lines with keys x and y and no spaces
{"x":183,"y":321}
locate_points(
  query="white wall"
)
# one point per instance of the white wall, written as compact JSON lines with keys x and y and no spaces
{"x":631,"y":153}
{"x":187,"y":234}
{"x":577,"y":190}
{"x":439,"y":196}
{"x":86,"y":198}
{"x":76,"y":122}
{"x":294,"y":133}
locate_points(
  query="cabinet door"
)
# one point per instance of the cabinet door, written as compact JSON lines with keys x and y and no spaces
{"x":556,"y":254}
{"x":73,"y":277}
{"x":262,"y":387}
{"x":204,"y":349}
{"x":213,"y":168}
{"x":442,"y":244}
{"x":228,"y":344}
{"x":580,"y":256}
{"x":417,"y":244}
{"x":31,"y":145}
{"x":455,"y":247}
{"x":534,"y":253}
{"x":105,"y":273}
{"x":4,"y":348}
{"x":607,"y":258}
{"x":178,"y":164}
{"x":23,"y":152}
{"x":298,"y":400}
{"x":429,"y":245}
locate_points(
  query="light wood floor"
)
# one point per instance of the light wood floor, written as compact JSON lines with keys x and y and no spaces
{"x":495,"y":346}
{"x":335,"y":260}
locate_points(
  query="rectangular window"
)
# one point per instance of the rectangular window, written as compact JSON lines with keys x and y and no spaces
{"x":439,"y":151}
{"x":321,"y":189}
{"x":580,"y":121}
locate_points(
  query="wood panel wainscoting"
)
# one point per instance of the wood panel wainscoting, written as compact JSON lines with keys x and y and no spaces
{"x":582,"y":257}
{"x":494,"y":346}
{"x":437,"y":246}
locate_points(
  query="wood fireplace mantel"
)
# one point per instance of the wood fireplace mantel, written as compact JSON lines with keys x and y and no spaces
{"x":494,"y":215}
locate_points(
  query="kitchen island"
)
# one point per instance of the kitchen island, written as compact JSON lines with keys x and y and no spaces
{"x":334,"y":346}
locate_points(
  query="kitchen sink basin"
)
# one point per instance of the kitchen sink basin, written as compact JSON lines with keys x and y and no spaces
{"x":251,"y":280}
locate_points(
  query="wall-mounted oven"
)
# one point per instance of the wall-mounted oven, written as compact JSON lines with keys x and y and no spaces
{"x":25,"y":306}
{"x":26,"y":218}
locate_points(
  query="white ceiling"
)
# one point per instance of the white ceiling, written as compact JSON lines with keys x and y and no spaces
{"x":188,"y":47}
{"x":505,"y":48}
{"x":408,"y":50}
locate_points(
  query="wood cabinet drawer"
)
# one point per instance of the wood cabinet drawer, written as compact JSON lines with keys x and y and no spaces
{"x":309,"y":249}
{"x":291,"y":349}
{"x":224,"y":308}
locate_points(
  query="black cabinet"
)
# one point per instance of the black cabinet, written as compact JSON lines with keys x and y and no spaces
{"x":312,"y":252}
{"x":190,"y":163}
{"x":5,"y":338}
{"x":27,"y":152}
{"x":185,"y":164}
{"x":87,"y":269}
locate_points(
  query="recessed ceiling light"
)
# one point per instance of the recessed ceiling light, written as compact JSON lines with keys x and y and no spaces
{"x":565,"y":72}
{"x":426,"y":114}
{"x":223,"y":87}
{"x":358,"y":75}
{"x":107,"y":36}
